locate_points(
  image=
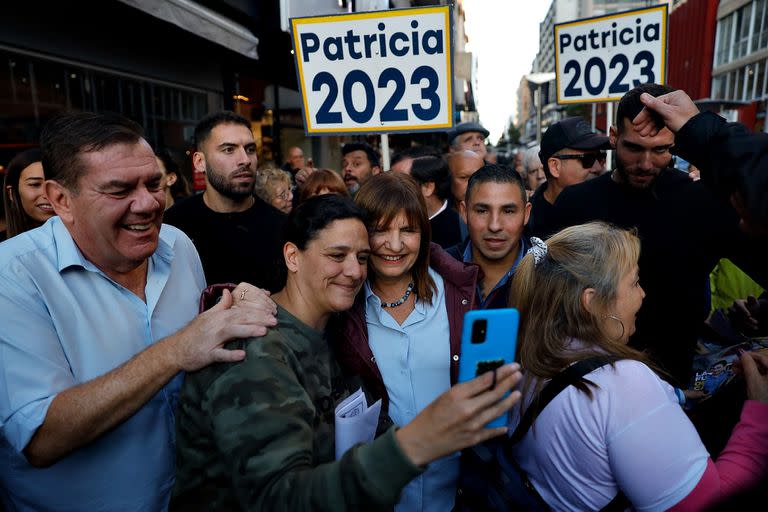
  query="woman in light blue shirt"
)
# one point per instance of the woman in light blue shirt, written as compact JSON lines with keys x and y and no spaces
{"x":403,"y":335}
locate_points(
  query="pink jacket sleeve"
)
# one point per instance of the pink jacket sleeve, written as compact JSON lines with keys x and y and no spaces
{"x":742,"y":464}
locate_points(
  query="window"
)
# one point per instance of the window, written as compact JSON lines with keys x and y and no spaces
{"x":107,"y":92}
{"x":718,"y":87}
{"x":760,"y":79}
{"x":749,"y":82}
{"x":724,"y":36}
{"x":759,"y":28}
{"x":32,"y":90}
{"x":49,"y":85}
{"x":737,"y":92}
{"x":741,"y":42}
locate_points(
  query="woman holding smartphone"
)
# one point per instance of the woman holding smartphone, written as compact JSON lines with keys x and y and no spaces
{"x":259,"y":434}
{"x":403,"y":335}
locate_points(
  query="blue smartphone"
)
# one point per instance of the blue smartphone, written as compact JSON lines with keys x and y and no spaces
{"x":488,"y":341}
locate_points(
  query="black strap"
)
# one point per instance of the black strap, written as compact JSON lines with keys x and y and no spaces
{"x":558,"y":383}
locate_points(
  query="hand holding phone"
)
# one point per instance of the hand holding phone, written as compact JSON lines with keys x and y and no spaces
{"x":488,"y":341}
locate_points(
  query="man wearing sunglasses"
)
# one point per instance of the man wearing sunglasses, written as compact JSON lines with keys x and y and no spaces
{"x":571,"y":153}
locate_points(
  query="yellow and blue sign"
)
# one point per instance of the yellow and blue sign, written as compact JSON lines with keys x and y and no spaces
{"x":375,"y":72}
{"x":600,"y":59}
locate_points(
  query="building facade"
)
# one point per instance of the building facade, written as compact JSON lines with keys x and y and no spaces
{"x":740,"y":64}
{"x":165,"y":64}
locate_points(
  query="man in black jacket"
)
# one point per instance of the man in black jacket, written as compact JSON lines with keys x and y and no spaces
{"x":684,"y":230}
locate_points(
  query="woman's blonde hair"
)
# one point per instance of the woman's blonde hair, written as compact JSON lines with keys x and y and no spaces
{"x":266,"y":181}
{"x":549,"y":297}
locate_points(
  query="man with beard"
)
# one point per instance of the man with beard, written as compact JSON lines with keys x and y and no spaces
{"x":684,"y":230}
{"x":733,"y":160}
{"x":358,"y":163}
{"x":236,"y":234}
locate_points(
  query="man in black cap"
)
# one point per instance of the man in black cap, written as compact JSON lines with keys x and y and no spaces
{"x":571,"y":153}
{"x":469,"y":136}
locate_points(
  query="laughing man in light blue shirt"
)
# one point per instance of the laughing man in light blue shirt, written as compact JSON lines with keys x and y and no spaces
{"x":98,"y":310}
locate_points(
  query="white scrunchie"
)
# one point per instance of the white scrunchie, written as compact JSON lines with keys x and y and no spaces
{"x":538,"y":249}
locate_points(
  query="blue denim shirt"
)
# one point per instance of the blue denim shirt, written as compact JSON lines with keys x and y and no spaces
{"x":64,"y":322}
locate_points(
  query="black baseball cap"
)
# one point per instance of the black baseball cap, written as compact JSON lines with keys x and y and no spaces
{"x":466,"y":127}
{"x":571,"y":132}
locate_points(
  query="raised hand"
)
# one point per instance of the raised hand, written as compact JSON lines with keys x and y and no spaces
{"x":675,"y":108}
{"x":457,"y":418}
{"x":201,"y":342}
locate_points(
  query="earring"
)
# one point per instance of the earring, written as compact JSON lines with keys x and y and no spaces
{"x":613,"y":317}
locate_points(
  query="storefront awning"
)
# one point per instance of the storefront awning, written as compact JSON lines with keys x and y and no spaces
{"x":202,"y":22}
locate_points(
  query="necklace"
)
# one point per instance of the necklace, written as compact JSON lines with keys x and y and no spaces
{"x":401,"y":300}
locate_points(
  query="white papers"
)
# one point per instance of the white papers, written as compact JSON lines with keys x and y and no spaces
{"x":355,"y":422}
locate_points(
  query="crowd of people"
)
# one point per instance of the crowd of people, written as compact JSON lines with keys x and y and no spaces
{"x":167,"y":350}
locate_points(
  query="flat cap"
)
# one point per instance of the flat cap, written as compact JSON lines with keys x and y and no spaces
{"x":466,"y":127}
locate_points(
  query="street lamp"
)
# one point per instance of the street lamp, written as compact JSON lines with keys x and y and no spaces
{"x":539,"y":79}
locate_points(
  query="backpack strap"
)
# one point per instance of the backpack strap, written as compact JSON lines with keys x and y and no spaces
{"x":571,"y":375}
{"x":574,"y":373}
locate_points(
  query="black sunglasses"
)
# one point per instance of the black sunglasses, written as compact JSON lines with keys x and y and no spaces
{"x":587,"y":159}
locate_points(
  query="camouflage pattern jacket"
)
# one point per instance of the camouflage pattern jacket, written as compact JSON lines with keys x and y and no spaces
{"x":259,"y":434}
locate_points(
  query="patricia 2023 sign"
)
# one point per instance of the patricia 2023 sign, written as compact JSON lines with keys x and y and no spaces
{"x":600,"y":59}
{"x":385,"y":71}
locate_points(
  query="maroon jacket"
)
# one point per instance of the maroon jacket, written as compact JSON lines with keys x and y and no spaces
{"x":351,"y":339}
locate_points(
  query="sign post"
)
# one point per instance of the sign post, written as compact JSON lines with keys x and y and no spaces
{"x":600,"y":59}
{"x":375,"y":72}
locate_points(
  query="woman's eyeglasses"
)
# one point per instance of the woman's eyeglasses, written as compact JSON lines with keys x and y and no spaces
{"x":587,"y":159}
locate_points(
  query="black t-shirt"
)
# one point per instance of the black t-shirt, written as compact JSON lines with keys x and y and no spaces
{"x":234,"y":247}
{"x":684,"y":231}
{"x":541,"y":214}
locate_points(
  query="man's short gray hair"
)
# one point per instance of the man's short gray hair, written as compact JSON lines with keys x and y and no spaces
{"x":531,"y":155}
